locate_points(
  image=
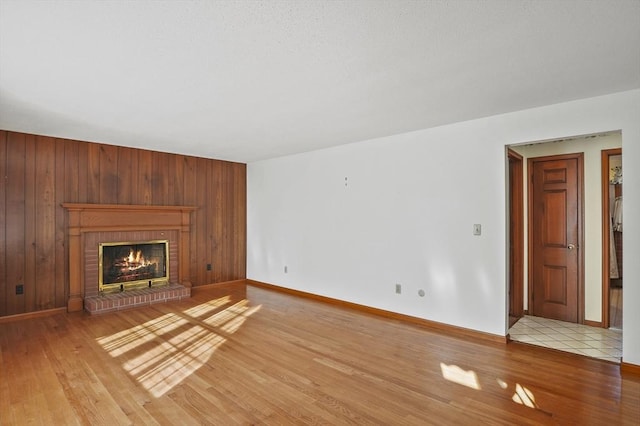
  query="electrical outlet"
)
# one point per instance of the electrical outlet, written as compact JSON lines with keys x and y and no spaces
{"x":208,"y":266}
{"x":477,"y":229}
{"x":20,"y":289}
{"x":398,"y":289}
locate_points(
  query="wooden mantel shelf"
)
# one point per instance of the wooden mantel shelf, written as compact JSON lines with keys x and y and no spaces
{"x":145,"y":207}
{"x":83,"y":218}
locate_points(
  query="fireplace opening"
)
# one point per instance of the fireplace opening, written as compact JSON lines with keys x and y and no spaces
{"x":127,"y":265}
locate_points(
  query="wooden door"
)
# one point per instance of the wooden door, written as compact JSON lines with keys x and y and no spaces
{"x":556,"y":236}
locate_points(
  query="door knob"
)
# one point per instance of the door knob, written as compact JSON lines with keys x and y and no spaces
{"x":571,"y":246}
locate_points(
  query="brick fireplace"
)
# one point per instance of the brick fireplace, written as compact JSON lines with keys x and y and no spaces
{"x":92,"y":224}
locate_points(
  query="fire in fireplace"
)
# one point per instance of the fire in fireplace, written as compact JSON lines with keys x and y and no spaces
{"x":126,"y":265}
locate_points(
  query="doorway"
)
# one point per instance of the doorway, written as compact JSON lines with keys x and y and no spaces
{"x":612,"y":274}
{"x":606,"y":343}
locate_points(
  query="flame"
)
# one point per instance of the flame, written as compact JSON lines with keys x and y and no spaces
{"x":135,"y":260}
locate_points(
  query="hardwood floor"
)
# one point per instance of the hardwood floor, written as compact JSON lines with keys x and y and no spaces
{"x":239,"y":355}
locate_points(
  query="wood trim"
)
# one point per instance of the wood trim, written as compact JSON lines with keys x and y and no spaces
{"x":516,"y":234}
{"x":529,"y":184}
{"x":630,"y":369}
{"x":606,"y":224}
{"x":31,"y":315}
{"x":604,"y":206}
{"x":450,"y":330}
{"x":592,"y":323}
{"x":211,"y":286}
{"x":581,"y":291}
{"x":83,"y":218}
{"x":4,"y":286}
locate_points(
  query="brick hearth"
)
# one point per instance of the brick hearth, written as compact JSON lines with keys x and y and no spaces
{"x":133,"y":298}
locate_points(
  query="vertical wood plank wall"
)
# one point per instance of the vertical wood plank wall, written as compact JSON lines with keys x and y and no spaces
{"x":39,"y":173}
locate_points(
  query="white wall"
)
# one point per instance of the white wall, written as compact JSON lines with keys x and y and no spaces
{"x":406,"y":215}
{"x":592,"y":148}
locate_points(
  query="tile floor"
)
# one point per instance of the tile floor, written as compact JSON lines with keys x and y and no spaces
{"x":595,"y":342}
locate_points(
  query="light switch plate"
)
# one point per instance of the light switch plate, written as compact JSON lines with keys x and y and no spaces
{"x":477,"y":229}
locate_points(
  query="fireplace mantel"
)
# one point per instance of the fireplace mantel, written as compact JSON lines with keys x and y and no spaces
{"x":84,"y":218}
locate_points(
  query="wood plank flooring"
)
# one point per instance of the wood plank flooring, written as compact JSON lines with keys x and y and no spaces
{"x":244,"y":355}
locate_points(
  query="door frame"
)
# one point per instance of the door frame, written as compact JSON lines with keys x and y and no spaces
{"x":516,"y":235}
{"x":580,"y":218}
{"x":606,"y":224}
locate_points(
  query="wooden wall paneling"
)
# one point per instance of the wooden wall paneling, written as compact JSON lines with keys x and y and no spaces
{"x":159,"y":179}
{"x":167,"y":176}
{"x":218,"y":221}
{"x":229,"y":221}
{"x":75,"y":190}
{"x":60,"y":234}
{"x":232,"y":222}
{"x":3,"y":222}
{"x":145,"y":170}
{"x":42,"y":173}
{"x":83,"y":172}
{"x":45,"y":220}
{"x":15,"y":222}
{"x":217,"y":224}
{"x":135,"y":166}
{"x":225,"y":207}
{"x":218,"y":230}
{"x":109,"y":179}
{"x":202,"y":232}
{"x":93,"y":173}
{"x":125,"y":172}
{"x":30,"y":223}
{"x":71,"y":167}
{"x":244,"y":221}
{"x":231,"y":212}
{"x":176,"y":180}
{"x":191,"y":199}
{"x":240,"y":220}
{"x":169,"y":179}
{"x":208,"y":243}
{"x":232,"y":208}
{"x":222,"y":197}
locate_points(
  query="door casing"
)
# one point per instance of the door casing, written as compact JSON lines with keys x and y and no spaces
{"x":516,"y":236}
{"x":606,"y":224}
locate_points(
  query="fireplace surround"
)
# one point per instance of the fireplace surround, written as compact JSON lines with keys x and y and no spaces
{"x":88,"y":225}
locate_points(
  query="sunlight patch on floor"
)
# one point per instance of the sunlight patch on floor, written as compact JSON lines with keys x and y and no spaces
{"x":455,"y":374}
{"x":222,"y":317}
{"x":235,"y":323}
{"x":204,"y":308}
{"x":469,"y":378}
{"x":127,"y":340}
{"x":521,"y":395}
{"x":167,"y":365}
{"x":162,"y":352}
{"x":524,"y":396}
